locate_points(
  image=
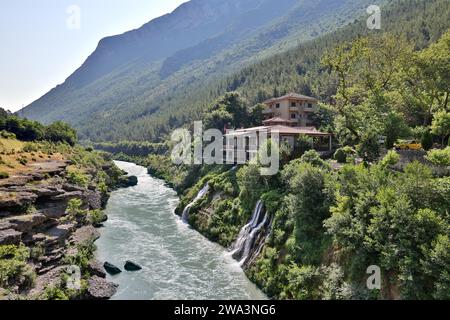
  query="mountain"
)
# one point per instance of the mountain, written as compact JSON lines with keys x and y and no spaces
{"x":151,"y":79}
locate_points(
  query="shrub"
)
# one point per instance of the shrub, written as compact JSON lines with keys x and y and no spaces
{"x":427,"y":140}
{"x":13,"y":266}
{"x":369,"y":147}
{"x":4,"y":175}
{"x":30,"y":147}
{"x":343,"y":155}
{"x":23,"y":161}
{"x":439,"y":157}
{"x":313,"y":158}
{"x":96,"y":217}
{"x":78,"y":178}
{"x":303,"y":144}
{"x":391,"y":159}
{"x":7,"y":135}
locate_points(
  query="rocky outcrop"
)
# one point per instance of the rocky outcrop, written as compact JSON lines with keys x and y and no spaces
{"x":10,"y":236}
{"x":95,"y":268}
{"x":129,"y":181}
{"x":100,"y":289}
{"x":33,"y":211}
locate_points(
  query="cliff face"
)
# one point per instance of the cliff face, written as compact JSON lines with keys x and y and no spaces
{"x":46,"y":216}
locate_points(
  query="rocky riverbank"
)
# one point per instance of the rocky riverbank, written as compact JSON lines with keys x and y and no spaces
{"x":37,"y":213}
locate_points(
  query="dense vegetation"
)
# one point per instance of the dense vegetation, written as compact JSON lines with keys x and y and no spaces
{"x":331,"y":218}
{"x":28,"y":130}
{"x":331,"y":222}
{"x":128,"y":90}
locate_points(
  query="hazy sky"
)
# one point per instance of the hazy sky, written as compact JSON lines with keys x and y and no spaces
{"x":41,"y":42}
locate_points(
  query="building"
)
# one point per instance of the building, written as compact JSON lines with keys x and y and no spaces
{"x":289,"y":116}
{"x":294,"y":107}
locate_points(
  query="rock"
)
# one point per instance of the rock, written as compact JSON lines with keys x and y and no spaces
{"x":100,"y":289}
{"x":126,"y":182}
{"x":10,"y":236}
{"x":94,"y":200}
{"x":95,"y":268}
{"x":131,"y":266}
{"x":16,"y":199}
{"x":68,"y":196}
{"x":111,"y":269}
{"x":27,"y":222}
{"x":85,"y":234}
{"x":72,"y":187}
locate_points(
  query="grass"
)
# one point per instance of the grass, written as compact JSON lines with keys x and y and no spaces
{"x":16,"y":156}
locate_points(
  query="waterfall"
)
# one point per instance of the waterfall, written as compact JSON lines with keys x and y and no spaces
{"x":201,"y":194}
{"x":248,"y":235}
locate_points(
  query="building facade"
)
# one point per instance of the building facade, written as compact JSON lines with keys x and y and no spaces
{"x":293,"y":107}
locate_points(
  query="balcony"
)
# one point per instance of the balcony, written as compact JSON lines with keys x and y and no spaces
{"x":268,"y":111}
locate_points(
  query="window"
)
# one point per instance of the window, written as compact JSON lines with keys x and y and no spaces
{"x":293,"y":116}
{"x":278,"y":106}
{"x":293,"y":104}
{"x":310,"y":105}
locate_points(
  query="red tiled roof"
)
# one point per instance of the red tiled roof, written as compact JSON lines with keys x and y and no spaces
{"x":277,"y":120}
{"x":310,"y":131}
{"x":291,"y":96}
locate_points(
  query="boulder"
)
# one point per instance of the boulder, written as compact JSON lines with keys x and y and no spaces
{"x":131,"y":266}
{"x":10,"y":236}
{"x":111,"y":269}
{"x":126,"y":182}
{"x":95,"y":268}
{"x":100,"y":289}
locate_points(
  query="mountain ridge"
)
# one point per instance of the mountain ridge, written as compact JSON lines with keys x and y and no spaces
{"x":112,"y":82}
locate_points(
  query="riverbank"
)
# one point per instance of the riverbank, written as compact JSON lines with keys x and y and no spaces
{"x":50,"y":208}
{"x":177,"y":261}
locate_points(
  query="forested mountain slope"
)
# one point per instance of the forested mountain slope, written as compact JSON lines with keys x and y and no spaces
{"x":156,"y":75}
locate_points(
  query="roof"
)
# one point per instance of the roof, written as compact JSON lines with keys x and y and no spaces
{"x":309,"y":131}
{"x":291,"y":96}
{"x":277,"y":119}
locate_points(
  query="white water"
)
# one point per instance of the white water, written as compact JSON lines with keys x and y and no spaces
{"x":200,"y":195}
{"x":178,"y":263}
{"x":247,"y":236}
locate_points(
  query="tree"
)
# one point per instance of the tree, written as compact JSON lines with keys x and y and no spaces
{"x":441,"y":125}
{"x":61,"y":132}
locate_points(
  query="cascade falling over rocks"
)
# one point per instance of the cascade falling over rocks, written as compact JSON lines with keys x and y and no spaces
{"x":249,"y":235}
{"x":200,"y":195}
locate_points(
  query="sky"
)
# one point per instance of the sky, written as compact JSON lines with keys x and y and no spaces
{"x":43,"y":41}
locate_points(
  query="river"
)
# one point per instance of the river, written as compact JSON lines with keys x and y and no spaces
{"x":178,"y":262}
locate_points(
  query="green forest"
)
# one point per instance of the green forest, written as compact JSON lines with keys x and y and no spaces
{"x":332,"y":217}
{"x":369,"y":205}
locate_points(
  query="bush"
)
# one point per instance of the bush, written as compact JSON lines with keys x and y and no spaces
{"x":391,"y":159}
{"x":30,"y":147}
{"x":369,"y":147}
{"x":60,"y":132}
{"x":427,"y":140}
{"x":96,"y":217}
{"x":303,"y":144}
{"x":343,"y":155}
{"x":7,"y":135}
{"x":313,"y":158}
{"x":13,"y":266}
{"x":4,"y":175}
{"x":439,"y":157}
{"x":78,"y":178}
